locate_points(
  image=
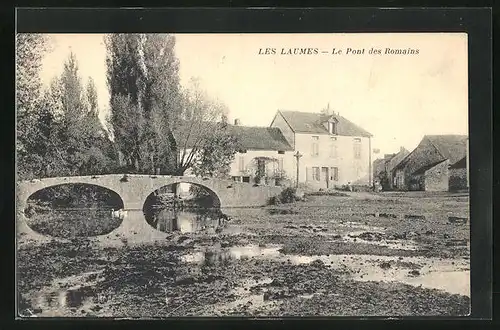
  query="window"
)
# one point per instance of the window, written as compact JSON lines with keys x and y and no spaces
{"x":241,"y":164}
{"x":357,"y":148}
{"x":333,"y":147}
{"x":334,"y":174}
{"x":315,"y":146}
{"x":332,"y":127}
{"x":316,"y":173}
{"x":281,"y":152}
{"x":280,"y":164}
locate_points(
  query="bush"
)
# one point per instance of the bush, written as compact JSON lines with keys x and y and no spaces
{"x":275,"y":200}
{"x":288,"y":195}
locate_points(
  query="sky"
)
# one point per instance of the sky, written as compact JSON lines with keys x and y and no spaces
{"x":397,"y":98}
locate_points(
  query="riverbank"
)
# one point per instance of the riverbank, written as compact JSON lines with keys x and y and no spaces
{"x":362,"y":254}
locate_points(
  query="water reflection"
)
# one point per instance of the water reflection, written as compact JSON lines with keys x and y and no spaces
{"x":186,"y":220}
{"x":450,"y":275}
{"x":224,"y":256}
{"x":78,"y":222}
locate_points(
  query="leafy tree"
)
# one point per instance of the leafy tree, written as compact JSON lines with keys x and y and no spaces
{"x":78,"y":143}
{"x":143,"y":76}
{"x":30,"y":49}
{"x":92,"y":97}
{"x":202,"y":131}
{"x":125,"y":76}
{"x":162,"y":105}
{"x":216,"y":155}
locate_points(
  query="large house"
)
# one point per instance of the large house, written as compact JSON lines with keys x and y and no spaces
{"x":334,"y":151}
{"x":434,"y":164}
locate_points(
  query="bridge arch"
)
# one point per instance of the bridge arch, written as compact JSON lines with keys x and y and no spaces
{"x":215,"y":200}
{"x":33,"y":194}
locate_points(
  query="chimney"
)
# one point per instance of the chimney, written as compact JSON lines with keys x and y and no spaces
{"x":237,"y":122}
{"x":401,"y":149}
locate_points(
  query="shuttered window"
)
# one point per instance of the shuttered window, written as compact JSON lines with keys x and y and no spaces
{"x":334,"y":173}
{"x":357,"y":148}
{"x":315,"y":146}
{"x":333,"y":147}
{"x":316,"y":173}
{"x":241,"y":164}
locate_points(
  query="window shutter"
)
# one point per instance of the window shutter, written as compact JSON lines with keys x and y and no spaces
{"x":308,"y":174}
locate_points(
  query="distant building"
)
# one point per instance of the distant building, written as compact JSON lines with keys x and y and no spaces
{"x":384,"y":168}
{"x":391,"y":164}
{"x":334,"y":150}
{"x":427,"y":167}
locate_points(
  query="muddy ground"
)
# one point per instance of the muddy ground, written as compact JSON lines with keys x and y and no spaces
{"x":365,"y":254}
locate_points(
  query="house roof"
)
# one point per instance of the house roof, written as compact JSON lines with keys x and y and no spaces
{"x":425,"y":168}
{"x":260,"y":138}
{"x":462,"y":163}
{"x":307,"y":122}
{"x":249,"y":138}
{"x":452,"y":147}
{"x":394,"y":161}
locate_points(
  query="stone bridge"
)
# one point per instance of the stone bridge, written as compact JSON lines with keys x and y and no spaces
{"x":136,"y":188}
{"x":134,"y":192}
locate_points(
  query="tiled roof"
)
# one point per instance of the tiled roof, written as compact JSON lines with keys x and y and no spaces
{"x":249,"y":138}
{"x":307,"y":122}
{"x":260,"y":138}
{"x":452,"y":147}
{"x":397,"y":159}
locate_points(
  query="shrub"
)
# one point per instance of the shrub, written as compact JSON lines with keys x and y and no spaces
{"x":288,"y":195}
{"x":275,"y":200}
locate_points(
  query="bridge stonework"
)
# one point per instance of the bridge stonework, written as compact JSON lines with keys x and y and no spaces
{"x":137,"y":188}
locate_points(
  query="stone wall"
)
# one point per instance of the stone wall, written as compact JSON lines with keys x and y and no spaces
{"x":436,"y":178}
{"x":458,"y":179}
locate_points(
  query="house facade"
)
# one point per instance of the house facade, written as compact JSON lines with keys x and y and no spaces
{"x":427,"y":166}
{"x":334,"y":151}
{"x":265,"y":156}
{"x":391,"y":164}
